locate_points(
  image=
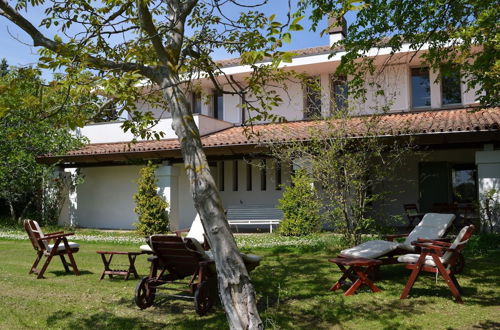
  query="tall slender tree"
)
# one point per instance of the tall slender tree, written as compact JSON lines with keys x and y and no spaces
{"x":165,"y":44}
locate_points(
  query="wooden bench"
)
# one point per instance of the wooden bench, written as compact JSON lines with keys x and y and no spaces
{"x":254,"y":215}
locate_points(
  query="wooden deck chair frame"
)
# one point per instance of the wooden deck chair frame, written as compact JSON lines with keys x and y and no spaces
{"x":437,"y":249}
{"x":175,"y":259}
{"x":40,"y":243}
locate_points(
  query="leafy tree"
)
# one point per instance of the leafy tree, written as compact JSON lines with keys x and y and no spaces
{"x":350,"y":163}
{"x":150,"y":207}
{"x":139,"y":43}
{"x":25,"y":133}
{"x":300,"y":206}
{"x":463,"y":33}
{"x":4,"y":67}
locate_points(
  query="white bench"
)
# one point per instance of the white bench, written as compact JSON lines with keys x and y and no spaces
{"x":254,"y":215}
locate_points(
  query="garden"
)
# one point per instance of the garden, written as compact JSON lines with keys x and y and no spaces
{"x":291,"y":284}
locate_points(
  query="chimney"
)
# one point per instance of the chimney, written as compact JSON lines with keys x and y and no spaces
{"x":337,"y":28}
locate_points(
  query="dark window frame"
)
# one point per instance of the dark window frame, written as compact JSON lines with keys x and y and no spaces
{"x":235,"y":175}
{"x":338,"y":98}
{"x":218,"y":101}
{"x":249,"y":176}
{"x":312,"y":98}
{"x":412,"y":86}
{"x":263,"y":175}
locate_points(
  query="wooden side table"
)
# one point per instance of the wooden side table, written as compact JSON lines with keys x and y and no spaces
{"x":107,"y":262}
{"x":357,"y":271}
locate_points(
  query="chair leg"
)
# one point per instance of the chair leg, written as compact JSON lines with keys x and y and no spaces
{"x":64,"y":262}
{"x":448,"y":279}
{"x":413,"y":276}
{"x":45,"y":265}
{"x":71,"y":258}
{"x":37,"y":260}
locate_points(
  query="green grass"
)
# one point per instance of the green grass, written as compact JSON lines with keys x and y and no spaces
{"x":291,"y":283}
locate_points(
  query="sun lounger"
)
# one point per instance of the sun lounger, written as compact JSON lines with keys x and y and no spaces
{"x":433,"y":226}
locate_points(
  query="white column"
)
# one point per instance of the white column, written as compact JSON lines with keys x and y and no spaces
{"x":168,"y":188}
{"x":69,"y":214}
{"x":488,"y":170}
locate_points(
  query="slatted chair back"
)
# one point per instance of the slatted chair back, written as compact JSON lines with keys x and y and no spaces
{"x":35,"y":233}
{"x":411,"y":210}
{"x":456,"y":248}
{"x":175,"y":255}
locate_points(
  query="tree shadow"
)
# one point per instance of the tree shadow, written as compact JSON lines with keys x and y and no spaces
{"x":101,"y":320}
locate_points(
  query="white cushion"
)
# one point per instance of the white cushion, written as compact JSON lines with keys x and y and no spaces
{"x":371,"y":249}
{"x":145,"y":248}
{"x":432,"y":226}
{"x":61,"y":246}
{"x":197,"y":232}
{"x":413,"y":258}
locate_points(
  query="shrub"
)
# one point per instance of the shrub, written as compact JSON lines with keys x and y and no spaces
{"x":150,"y":207}
{"x":300,"y":206}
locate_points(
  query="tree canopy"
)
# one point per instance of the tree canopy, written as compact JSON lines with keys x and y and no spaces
{"x":30,"y":125}
{"x":445,"y":33}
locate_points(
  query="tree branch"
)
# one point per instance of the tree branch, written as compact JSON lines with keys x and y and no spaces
{"x":147,"y":24}
{"x":39,"y":40}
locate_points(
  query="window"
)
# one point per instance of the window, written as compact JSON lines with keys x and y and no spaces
{"x":338,"y":93}
{"x":277,"y":173}
{"x":312,"y":102}
{"x":218,"y":104}
{"x":263,"y":175}
{"x":464,"y":183}
{"x":249,"y":176}
{"x":450,"y":86}
{"x":221,"y":176}
{"x":235,"y":175}
{"x":196,"y":102}
{"x":420,"y":88}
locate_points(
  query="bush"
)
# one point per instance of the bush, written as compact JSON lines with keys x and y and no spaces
{"x":300,"y":206}
{"x":150,"y":207}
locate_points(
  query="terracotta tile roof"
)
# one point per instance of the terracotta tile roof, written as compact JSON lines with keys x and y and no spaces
{"x":299,"y":53}
{"x":395,"y":124}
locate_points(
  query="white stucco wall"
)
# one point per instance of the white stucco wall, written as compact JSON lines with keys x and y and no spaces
{"x":105,"y":198}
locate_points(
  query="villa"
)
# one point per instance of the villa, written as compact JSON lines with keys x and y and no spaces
{"x":461,"y":142}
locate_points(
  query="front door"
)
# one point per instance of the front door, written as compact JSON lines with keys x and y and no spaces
{"x":434,"y":184}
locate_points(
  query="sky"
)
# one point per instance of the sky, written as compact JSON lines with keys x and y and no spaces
{"x":16,"y":46}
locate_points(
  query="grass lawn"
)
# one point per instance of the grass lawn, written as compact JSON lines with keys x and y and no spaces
{"x":291,"y":283}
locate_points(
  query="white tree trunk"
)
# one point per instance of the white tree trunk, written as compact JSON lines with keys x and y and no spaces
{"x":236,"y":291}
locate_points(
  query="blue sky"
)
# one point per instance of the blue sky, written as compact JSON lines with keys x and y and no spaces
{"x":16,"y":47}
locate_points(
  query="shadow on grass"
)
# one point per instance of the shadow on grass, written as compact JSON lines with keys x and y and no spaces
{"x":102,"y":320}
{"x":58,"y":273}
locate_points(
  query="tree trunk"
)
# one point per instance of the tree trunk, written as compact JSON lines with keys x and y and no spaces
{"x":236,"y":291}
{"x":12,"y":211}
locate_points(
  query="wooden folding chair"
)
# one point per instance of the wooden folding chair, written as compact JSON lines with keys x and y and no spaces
{"x":438,"y":257}
{"x":412,"y":213}
{"x":60,"y":247}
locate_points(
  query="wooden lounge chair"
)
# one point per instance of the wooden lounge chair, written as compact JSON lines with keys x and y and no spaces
{"x":197,"y":234}
{"x":60,"y":247}
{"x":438,"y":257}
{"x":433,"y":226}
{"x":174,"y":259}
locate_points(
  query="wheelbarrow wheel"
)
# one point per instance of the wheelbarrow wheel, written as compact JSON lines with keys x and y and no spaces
{"x":144,"y":298}
{"x":202,"y":298}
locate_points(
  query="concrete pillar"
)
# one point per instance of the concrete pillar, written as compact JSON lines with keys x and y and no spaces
{"x":488,"y":171}
{"x":168,"y":188}
{"x":68,"y":216}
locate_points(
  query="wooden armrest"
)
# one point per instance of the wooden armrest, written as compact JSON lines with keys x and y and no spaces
{"x":435,"y":242}
{"x":393,"y":236}
{"x":55,"y":233}
{"x":49,"y":237}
